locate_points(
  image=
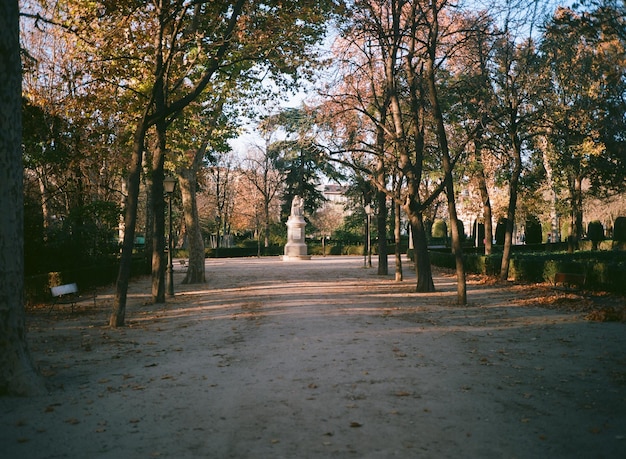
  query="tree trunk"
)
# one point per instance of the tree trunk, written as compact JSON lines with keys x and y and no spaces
{"x":381,"y":227}
{"x":510,"y":215}
{"x":578,"y":209}
{"x":442,"y":139}
{"x":146,"y":189}
{"x":484,"y":196}
{"x":157,"y":203}
{"x":487,"y":215}
{"x":195,"y":271}
{"x":398,"y":240}
{"x":17,"y":372}
{"x":381,"y":197}
{"x":423,"y":270}
{"x":118,"y":312}
{"x":555,"y":231}
{"x":266,"y":217}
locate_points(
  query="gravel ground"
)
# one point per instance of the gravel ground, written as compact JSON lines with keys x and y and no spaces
{"x":324,"y":358}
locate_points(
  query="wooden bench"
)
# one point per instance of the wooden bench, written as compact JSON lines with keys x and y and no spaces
{"x":66,"y":294}
{"x":569,"y":280}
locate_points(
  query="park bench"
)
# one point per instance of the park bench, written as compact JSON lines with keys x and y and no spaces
{"x":66,"y":294}
{"x":567,"y":281}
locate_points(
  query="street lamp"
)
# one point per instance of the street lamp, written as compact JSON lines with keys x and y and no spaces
{"x":369,"y":211}
{"x":169,"y":184}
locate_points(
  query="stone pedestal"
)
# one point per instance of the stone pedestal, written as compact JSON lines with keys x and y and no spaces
{"x":296,"y":248}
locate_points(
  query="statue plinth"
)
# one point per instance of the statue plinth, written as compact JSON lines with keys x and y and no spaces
{"x":296,"y":248}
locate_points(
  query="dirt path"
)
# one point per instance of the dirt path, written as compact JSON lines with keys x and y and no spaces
{"x":322,"y":358}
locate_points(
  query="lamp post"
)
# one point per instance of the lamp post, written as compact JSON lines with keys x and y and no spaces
{"x":369,"y":212}
{"x":169,"y":184}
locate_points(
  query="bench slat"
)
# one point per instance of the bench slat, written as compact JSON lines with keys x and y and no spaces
{"x":65,"y":289}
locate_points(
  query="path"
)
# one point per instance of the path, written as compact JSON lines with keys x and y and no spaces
{"x":322,"y":358}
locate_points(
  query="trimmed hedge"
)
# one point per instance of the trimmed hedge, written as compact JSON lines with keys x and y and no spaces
{"x":604,"y":270}
{"x":238,"y":252}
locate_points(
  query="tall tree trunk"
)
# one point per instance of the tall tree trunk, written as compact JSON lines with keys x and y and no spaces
{"x":457,"y":248}
{"x":510,"y":215}
{"x":578,"y":209}
{"x":397,"y":232}
{"x":381,"y":227}
{"x":195,"y":271}
{"x":423,"y":270}
{"x":158,"y":211}
{"x":484,"y":195}
{"x":555,"y":231}
{"x":17,"y":372}
{"x":188,"y":178}
{"x":146,"y":188}
{"x":118,"y":312}
{"x":43,"y":190}
{"x":411,"y":165}
{"x":266,"y":217}
{"x":381,"y":196}
{"x":442,"y":139}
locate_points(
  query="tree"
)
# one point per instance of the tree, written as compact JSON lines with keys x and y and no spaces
{"x":222,"y":189}
{"x":190,"y":43}
{"x":301,"y":162}
{"x":17,"y":373}
{"x":478,"y":104}
{"x":585,"y":65}
{"x":377,"y":127}
{"x":71,"y":160}
{"x":397,"y":56}
{"x":517,"y":85}
{"x":198,"y":137}
{"x":325,"y":221}
{"x":261,"y":171}
{"x":431,"y":62}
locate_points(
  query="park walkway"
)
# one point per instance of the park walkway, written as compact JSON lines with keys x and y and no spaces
{"x":322,"y":358}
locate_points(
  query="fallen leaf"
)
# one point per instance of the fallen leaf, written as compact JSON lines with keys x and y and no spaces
{"x":355,"y":424}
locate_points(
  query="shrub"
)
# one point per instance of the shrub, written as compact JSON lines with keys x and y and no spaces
{"x":440,"y":229}
{"x":501,"y":230}
{"x":619,"y":229}
{"x":532,"y":234}
{"x":595,"y":232}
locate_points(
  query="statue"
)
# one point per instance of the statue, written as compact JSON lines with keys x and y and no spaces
{"x":296,"y":206}
{"x":296,"y":248}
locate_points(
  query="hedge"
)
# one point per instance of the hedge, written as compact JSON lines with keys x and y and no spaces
{"x":604,"y":270}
